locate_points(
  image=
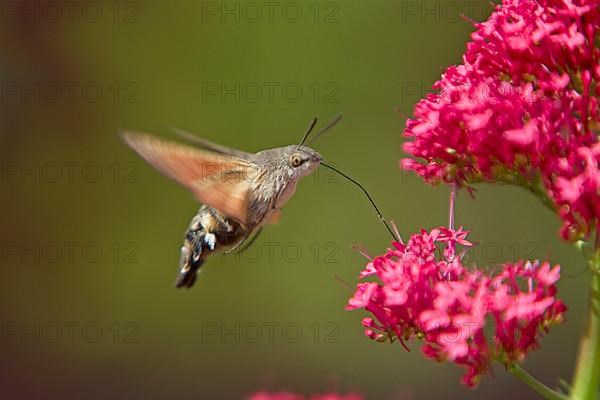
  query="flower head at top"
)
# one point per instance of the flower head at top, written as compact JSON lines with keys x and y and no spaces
{"x":521,"y":108}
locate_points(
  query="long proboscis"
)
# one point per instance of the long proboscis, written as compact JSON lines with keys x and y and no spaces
{"x":354,"y":181}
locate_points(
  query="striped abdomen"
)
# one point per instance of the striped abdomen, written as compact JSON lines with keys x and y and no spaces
{"x":209,"y":232}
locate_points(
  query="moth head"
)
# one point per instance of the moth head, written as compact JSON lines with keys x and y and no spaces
{"x":302,"y":160}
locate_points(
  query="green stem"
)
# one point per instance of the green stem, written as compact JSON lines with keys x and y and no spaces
{"x":533,"y":383}
{"x":587,"y":373}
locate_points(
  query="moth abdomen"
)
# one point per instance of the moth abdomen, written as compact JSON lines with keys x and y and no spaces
{"x":209,"y":232}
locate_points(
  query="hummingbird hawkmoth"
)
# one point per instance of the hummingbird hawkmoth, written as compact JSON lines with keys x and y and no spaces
{"x":240,"y":191}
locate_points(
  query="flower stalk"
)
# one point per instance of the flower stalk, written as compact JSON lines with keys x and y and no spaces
{"x":586,"y":380}
{"x":534,"y":384}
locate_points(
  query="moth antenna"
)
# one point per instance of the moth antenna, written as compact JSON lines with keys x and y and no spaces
{"x":308,"y":131}
{"x":354,"y":181}
{"x":328,"y":127}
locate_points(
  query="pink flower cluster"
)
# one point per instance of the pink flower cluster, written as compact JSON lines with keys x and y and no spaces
{"x":292,"y":396}
{"x":523,"y":106}
{"x":425,"y":292}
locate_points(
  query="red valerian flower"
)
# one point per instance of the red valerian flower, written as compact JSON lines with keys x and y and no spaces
{"x":522,"y":107}
{"x":292,"y":396}
{"x":423,"y":291}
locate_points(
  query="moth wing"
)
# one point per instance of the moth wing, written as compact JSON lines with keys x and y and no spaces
{"x":208,"y":145}
{"x":217,"y":180}
{"x":228,"y":191}
{"x":275,"y":217}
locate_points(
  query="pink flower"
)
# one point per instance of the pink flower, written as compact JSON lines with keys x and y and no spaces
{"x":364,"y":291}
{"x":523,"y":136}
{"x":524,"y":102}
{"x":422,"y":294}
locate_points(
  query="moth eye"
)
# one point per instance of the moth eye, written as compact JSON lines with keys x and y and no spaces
{"x":296,"y":160}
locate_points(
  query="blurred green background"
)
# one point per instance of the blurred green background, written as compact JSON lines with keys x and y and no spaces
{"x":104,"y":321}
